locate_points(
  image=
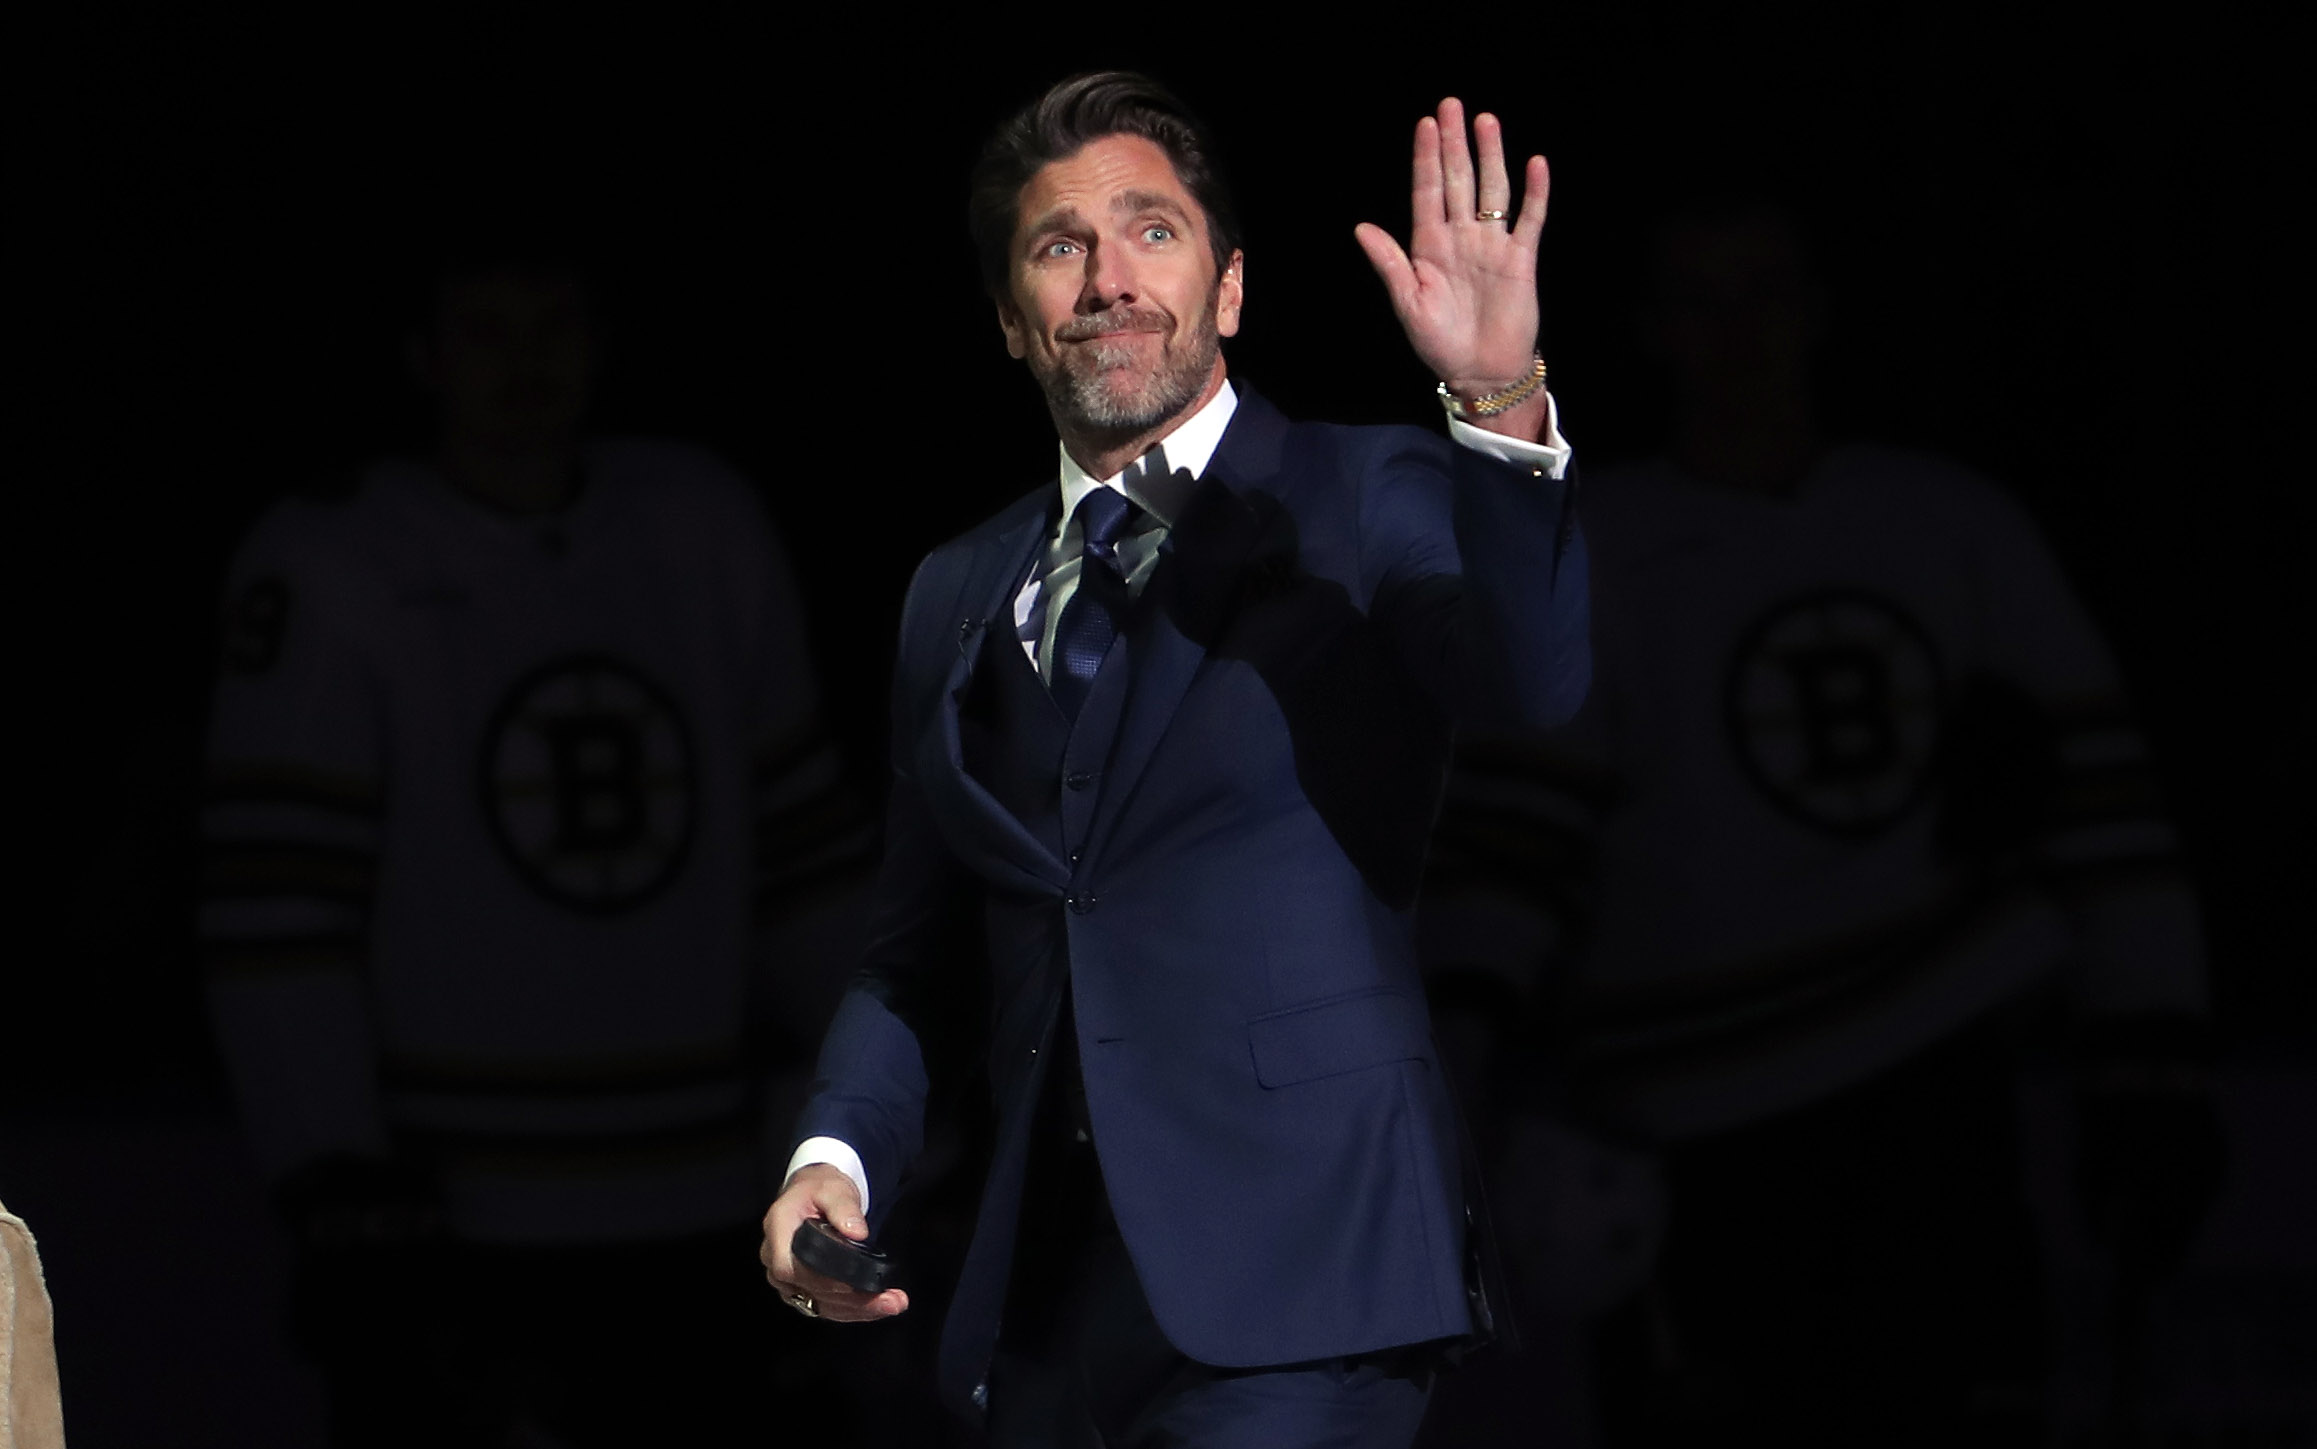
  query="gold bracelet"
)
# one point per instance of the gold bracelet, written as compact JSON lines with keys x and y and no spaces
{"x":1491,"y":404}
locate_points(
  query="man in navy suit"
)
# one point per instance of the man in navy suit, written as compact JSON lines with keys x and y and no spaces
{"x":1167,"y":739}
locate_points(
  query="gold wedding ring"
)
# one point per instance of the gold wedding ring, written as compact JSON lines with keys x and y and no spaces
{"x":1488,"y":216}
{"x":803,"y":1303}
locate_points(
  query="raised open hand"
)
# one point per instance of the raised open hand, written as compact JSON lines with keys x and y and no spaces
{"x":1466,"y":289}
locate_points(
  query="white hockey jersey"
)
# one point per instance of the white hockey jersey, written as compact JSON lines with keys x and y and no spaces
{"x":1855,"y":767}
{"x":493,"y":801}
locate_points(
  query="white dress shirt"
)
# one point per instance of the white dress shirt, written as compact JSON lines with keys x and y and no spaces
{"x":1159,"y":482}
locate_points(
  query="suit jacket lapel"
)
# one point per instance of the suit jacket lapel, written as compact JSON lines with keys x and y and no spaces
{"x":1188,"y":600}
{"x":986,"y":602}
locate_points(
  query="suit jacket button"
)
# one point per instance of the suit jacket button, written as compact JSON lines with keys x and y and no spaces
{"x":1079,"y":901}
{"x":981,"y":1394}
{"x":1078,"y":779}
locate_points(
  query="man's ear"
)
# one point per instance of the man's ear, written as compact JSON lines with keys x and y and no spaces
{"x":1230,"y":293}
{"x":1010,"y":323}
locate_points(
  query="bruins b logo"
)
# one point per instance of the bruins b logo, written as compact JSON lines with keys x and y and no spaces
{"x":589,"y":783}
{"x":1832,"y":704}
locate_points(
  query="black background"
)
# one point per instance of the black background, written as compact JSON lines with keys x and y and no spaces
{"x":2060,"y":248}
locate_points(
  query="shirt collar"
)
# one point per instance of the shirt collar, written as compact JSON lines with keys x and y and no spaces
{"x":1151,"y":479}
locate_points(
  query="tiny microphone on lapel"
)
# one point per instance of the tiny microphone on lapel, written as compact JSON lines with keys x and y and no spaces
{"x":966,"y":629}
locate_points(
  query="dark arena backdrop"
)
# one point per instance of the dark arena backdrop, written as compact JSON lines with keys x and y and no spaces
{"x":2058,"y":243}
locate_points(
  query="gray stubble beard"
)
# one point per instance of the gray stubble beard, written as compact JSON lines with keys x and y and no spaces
{"x":1082,"y":402}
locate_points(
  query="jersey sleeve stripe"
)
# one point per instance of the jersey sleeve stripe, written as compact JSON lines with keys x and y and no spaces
{"x":274,"y":783}
{"x":224,"y":960}
{"x":551,"y":1154}
{"x":288,"y":868}
{"x":707,"y":1064}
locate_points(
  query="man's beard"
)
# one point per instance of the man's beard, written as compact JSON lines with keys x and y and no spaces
{"x":1081,"y":386}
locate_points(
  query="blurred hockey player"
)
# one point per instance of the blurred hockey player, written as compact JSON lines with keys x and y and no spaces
{"x":1855,"y":809}
{"x":528,"y":863}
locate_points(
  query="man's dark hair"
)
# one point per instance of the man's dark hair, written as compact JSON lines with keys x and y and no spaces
{"x":463,"y":238}
{"x":1055,"y":126}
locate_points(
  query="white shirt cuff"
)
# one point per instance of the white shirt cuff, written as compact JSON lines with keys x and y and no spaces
{"x":837,"y":1155}
{"x":1552,"y":455}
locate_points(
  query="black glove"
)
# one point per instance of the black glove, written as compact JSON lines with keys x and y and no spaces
{"x":371,"y":1253}
{"x":2150,"y":1153}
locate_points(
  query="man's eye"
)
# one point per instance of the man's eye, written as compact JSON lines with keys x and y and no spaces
{"x":1059,"y":248}
{"x":1158,"y":233}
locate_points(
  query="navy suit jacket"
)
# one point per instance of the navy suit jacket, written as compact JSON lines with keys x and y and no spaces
{"x":1232,"y":906}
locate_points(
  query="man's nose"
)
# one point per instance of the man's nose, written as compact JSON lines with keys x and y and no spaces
{"x":1110,"y":279}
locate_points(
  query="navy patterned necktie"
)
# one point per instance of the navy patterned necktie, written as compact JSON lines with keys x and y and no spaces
{"x":1090,"y":618}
